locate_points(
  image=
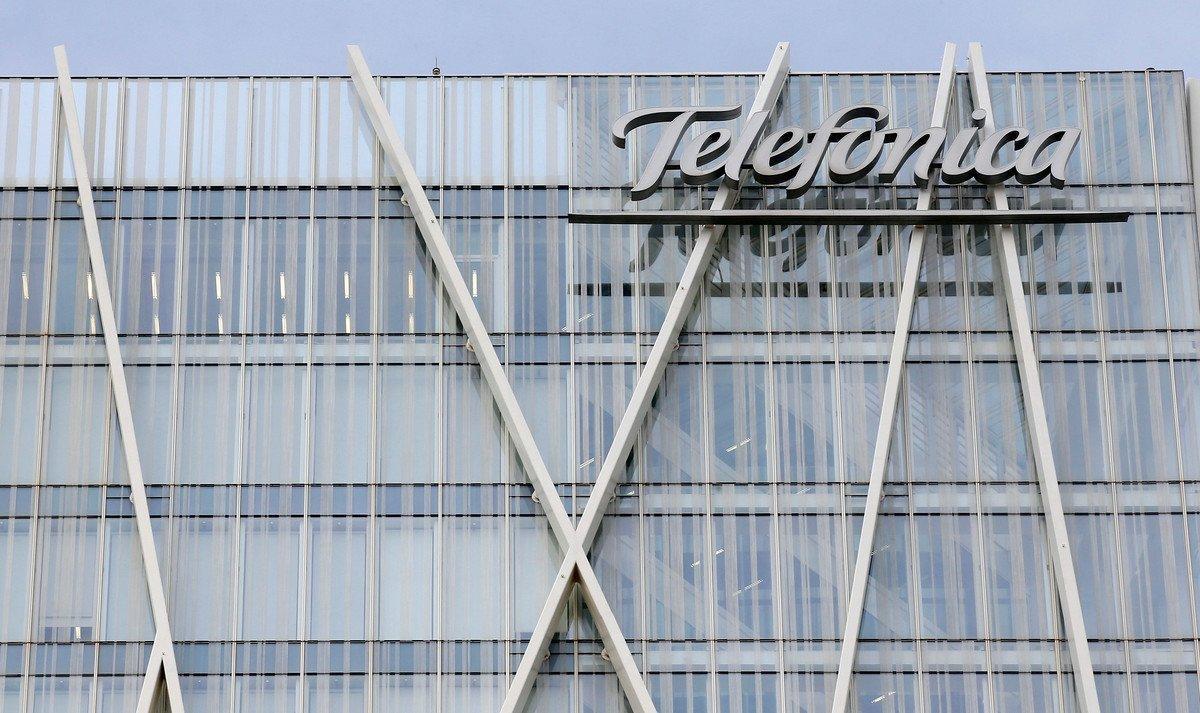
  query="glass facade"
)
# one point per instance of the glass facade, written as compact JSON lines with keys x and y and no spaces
{"x":340,"y":516}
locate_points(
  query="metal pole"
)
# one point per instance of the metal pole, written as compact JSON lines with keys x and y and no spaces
{"x":163,"y":653}
{"x":887,"y":415}
{"x":1035,"y":411}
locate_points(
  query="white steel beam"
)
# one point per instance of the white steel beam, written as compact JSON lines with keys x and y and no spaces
{"x":887,"y":415}
{"x":1009,"y":269}
{"x":162,"y":656}
{"x":451,"y":278}
{"x":682,"y":303}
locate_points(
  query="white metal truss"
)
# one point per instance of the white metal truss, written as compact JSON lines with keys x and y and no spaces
{"x":682,"y":303}
{"x":1035,"y":411}
{"x":493,"y":372}
{"x":1009,"y":269}
{"x":576,"y":568}
{"x":889,"y":401}
{"x":162,"y":654}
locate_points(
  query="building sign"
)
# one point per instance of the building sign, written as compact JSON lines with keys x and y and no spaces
{"x":854,"y":140}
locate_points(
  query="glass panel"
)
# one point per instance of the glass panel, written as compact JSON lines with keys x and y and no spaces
{"x":676,"y":577}
{"x":15,"y":544}
{"x":409,"y":291}
{"x":598,"y":102}
{"x":282,"y":131}
{"x":675,"y":440}
{"x":479,"y":251}
{"x":407,"y":565}
{"x":342,"y":424}
{"x":345,"y":140}
{"x":475,"y":130}
{"x":1018,"y":580}
{"x":276,"y":417}
{"x":1170,"y":126}
{"x":1144,"y":432}
{"x":1154,"y":556}
{"x":98,"y":104}
{"x":153,"y":132}
{"x":539,"y":275}
{"x":220,"y":112}
{"x":806,"y":423}
{"x":23,"y":275}
{"x":337,"y":576}
{"x":473,"y":578}
{"x":951,"y":593}
{"x":277,"y":300}
{"x":813,"y":567}
{"x":75,"y":433}
{"x":210,"y":405}
{"x":68,"y":566}
{"x":213,"y":277}
{"x":1094,"y":550}
{"x":20,"y":420}
{"x":126,"y":607}
{"x":415,"y":105}
{"x":271,"y":578}
{"x":738,"y":397}
{"x":1132,"y":272}
{"x":344,"y":276}
{"x":145,"y":276}
{"x":742,"y":578}
{"x":201,"y":582}
{"x":408,"y":427}
{"x":27,"y":140}
{"x":151,"y":399}
{"x":1073,"y":395}
{"x":1118,"y":127}
{"x":1003,"y":436}
{"x":938,"y":427}
{"x":538,"y":130}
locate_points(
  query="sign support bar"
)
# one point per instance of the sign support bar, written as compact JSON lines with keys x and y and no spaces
{"x":865,"y":216}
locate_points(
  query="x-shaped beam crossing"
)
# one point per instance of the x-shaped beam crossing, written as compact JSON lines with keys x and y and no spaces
{"x":574,"y":541}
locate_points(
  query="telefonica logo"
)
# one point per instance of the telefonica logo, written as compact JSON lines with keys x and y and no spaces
{"x":856,"y":140}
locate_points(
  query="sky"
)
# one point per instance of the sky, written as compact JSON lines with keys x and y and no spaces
{"x":306,"y":37}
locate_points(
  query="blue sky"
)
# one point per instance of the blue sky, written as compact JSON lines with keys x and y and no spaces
{"x":130,"y":37}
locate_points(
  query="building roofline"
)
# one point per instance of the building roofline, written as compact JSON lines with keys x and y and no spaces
{"x":504,"y":75}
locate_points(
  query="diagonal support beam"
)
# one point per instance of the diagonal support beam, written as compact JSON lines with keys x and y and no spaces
{"x":492,"y":370}
{"x":162,"y":657}
{"x":887,"y":414}
{"x":1009,"y":269}
{"x":682,"y":303}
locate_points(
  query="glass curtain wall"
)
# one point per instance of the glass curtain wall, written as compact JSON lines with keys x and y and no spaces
{"x":343,"y":524}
